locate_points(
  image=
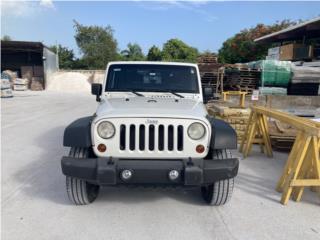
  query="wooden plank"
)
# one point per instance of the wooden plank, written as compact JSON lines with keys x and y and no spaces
{"x":289,"y":164}
{"x":297,"y":122}
{"x":305,"y":182}
{"x":297,"y":165}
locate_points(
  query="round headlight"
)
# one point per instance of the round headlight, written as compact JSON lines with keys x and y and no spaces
{"x":196,"y":131}
{"x":106,"y":130}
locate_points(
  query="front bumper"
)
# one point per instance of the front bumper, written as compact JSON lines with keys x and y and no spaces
{"x":192,"y":172}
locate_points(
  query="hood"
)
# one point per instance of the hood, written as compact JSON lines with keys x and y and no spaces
{"x":151,"y":107}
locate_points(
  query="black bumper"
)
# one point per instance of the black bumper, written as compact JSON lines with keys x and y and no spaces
{"x":107,"y":171}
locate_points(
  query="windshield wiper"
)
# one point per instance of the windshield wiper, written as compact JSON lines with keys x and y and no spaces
{"x":138,"y":94}
{"x":174,"y":93}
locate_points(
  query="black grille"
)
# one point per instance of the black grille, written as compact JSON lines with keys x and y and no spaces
{"x":161,"y":138}
{"x":180,"y":138}
{"x":122,"y":137}
{"x":132,"y":137}
{"x":151,"y":137}
{"x":142,"y":136}
{"x":169,"y":137}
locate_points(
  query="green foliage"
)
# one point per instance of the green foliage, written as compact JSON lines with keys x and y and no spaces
{"x":6,"y":38}
{"x":97,"y":44}
{"x":79,"y":63}
{"x":241,"y":47}
{"x":154,"y":54}
{"x":177,"y":50}
{"x":132,"y":53}
{"x":66,"y":56}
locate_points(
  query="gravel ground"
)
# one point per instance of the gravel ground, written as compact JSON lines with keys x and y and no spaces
{"x":35,"y":204}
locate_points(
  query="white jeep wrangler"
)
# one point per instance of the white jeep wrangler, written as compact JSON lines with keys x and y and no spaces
{"x":151,"y":128}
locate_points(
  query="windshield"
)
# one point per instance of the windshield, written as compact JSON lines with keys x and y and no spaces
{"x":152,"y":78}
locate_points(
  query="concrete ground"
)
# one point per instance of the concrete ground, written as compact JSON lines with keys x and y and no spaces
{"x":35,"y":204}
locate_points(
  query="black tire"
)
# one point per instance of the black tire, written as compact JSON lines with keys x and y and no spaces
{"x":219,"y":192}
{"x":80,"y":192}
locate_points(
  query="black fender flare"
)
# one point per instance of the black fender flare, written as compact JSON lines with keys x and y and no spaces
{"x":223,"y":135}
{"x":78,"y":133}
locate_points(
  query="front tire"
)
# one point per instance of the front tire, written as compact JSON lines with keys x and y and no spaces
{"x":80,"y":192}
{"x":219,"y":192}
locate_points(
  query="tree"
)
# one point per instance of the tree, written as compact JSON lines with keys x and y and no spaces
{"x":177,"y":50}
{"x":154,"y":54}
{"x":6,"y":38}
{"x":66,"y":56}
{"x":132,"y":53}
{"x":241,"y":47}
{"x":79,"y":63}
{"x":97,"y":44}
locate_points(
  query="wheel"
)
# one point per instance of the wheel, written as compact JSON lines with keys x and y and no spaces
{"x":80,"y":192}
{"x":219,"y":192}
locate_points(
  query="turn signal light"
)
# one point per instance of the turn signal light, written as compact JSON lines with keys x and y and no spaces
{"x":200,"y":148}
{"x":101,"y":147}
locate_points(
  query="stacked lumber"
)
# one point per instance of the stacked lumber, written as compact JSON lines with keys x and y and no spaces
{"x":305,"y":81}
{"x":236,"y":117}
{"x":241,"y":78}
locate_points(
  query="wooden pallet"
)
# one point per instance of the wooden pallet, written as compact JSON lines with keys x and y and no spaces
{"x":208,"y":59}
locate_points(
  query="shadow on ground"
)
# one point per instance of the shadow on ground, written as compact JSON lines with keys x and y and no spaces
{"x":43,"y":179}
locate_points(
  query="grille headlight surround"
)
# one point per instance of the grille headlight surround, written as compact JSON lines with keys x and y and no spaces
{"x":106,"y":130}
{"x":196,"y":131}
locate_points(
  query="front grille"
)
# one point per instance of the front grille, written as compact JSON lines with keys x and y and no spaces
{"x":151,"y":137}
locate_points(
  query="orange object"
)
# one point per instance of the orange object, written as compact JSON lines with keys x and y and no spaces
{"x":102,"y":147}
{"x":200,"y":148}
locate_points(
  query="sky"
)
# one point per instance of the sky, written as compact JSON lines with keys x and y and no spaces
{"x":201,"y":24}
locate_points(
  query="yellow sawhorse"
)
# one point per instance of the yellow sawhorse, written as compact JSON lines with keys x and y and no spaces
{"x":241,"y":94}
{"x":302,"y":168}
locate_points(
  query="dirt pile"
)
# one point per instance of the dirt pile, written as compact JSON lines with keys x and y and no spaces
{"x":68,"y":82}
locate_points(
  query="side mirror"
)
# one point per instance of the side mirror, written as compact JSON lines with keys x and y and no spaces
{"x":96,"y":89}
{"x":207,"y":94}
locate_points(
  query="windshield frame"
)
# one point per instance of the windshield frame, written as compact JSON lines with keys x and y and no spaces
{"x":197,"y":90}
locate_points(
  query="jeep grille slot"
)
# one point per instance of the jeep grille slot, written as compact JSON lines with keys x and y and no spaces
{"x":170,"y":138}
{"x":122,"y":137}
{"x":180,"y":138}
{"x":161,"y":138}
{"x":151,"y":137}
{"x":142,"y":137}
{"x":132,"y":137}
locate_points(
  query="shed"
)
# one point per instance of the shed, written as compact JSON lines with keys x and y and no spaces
{"x":32,"y":60}
{"x":300,"y":32}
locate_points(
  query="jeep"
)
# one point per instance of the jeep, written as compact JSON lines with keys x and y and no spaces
{"x":151,"y":128}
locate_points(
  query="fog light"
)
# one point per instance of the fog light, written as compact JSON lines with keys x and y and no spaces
{"x":102,"y":148}
{"x":173,"y":175}
{"x":200,"y":148}
{"x":126,"y":174}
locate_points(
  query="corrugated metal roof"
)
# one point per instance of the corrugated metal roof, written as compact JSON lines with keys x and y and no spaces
{"x":22,"y":45}
{"x":293,"y":31}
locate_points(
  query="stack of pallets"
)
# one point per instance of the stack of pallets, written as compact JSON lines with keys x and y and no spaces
{"x":208,"y":58}
{"x":208,"y":68}
{"x":241,"y":78}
